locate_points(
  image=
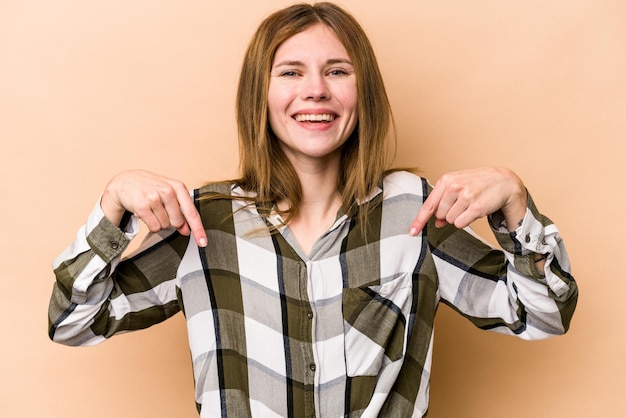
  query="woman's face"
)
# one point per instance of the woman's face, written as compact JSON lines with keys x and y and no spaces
{"x":312,"y":97}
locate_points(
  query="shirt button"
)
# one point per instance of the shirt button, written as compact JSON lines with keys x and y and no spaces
{"x":114,"y":245}
{"x":310,"y":315}
{"x":527,"y":238}
{"x":312,"y":367}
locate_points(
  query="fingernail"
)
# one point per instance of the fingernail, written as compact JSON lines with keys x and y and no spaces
{"x":203,"y":242}
{"x":413,"y":231}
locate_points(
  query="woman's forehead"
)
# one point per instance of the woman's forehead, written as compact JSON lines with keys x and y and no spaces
{"x":318,"y":41}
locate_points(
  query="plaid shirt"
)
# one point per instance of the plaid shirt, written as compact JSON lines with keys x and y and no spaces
{"x":346,"y":330}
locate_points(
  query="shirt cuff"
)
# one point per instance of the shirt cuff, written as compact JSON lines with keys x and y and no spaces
{"x":530,"y":237}
{"x":106,"y":239}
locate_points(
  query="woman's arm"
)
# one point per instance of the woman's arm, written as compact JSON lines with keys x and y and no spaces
{"x":96,"y":294}
{"x":527,"y":289}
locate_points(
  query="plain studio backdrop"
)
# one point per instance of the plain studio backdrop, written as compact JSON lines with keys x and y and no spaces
{"x":90,"y":88}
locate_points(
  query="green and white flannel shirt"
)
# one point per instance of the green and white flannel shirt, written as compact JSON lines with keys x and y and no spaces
{"x":346,"y":330}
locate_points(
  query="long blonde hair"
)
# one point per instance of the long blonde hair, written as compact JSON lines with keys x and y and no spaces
{"x":265,"y":170}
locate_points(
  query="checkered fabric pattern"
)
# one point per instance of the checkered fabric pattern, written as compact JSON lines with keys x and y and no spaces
{"x":346,"y":330}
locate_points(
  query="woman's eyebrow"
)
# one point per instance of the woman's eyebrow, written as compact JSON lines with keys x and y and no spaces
{"x":338,"y":61}
{"x":288,"y":63}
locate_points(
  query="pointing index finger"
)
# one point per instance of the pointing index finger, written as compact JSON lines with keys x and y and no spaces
{"x":428,"y":209}
{"x":195,"y":225}
{"x":192,"y":218}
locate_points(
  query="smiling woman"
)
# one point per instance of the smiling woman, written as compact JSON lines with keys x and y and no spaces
{"x":264,"y":167}
{"x":309,"y":86}
{"x":312,"y":108}
{"x":310,"y":284}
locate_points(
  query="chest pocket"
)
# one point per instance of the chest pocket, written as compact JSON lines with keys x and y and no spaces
{"x":375,"y":325}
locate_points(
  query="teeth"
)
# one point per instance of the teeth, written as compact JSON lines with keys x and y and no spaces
{"x":325,"y":117}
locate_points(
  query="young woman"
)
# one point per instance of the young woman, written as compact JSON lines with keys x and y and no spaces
{"x":310,"y":284}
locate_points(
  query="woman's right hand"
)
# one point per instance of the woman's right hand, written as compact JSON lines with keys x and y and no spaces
{"x":160,"y":202}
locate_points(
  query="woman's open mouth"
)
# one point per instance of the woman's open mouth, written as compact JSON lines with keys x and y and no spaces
{"x":315,"y":118}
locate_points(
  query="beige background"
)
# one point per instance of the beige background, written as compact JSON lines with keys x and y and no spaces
{"x":89,"y":88}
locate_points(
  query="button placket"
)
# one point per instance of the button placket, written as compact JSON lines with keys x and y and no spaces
{"x":308,"y":360}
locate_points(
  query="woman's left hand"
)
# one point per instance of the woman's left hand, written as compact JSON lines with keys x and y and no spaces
{"x":461,"y":197}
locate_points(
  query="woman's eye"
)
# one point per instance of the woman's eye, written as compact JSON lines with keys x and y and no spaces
{"x":288,"y":73}
{"x":338,"y":72}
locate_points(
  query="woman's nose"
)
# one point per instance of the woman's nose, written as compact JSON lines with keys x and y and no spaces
{"x":315,"y":88}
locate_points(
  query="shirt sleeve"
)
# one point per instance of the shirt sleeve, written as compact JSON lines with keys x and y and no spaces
{"x":502,"y":290}
{"x":98,"y":294}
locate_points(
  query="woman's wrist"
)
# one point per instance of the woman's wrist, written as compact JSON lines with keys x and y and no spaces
{"x":112,"y":211}
{"x":514,"y":209}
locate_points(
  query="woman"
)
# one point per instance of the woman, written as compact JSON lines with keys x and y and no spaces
{"x":310,"y":284}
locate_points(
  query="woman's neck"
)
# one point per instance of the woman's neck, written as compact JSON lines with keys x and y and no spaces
{"x":320,"y":203}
